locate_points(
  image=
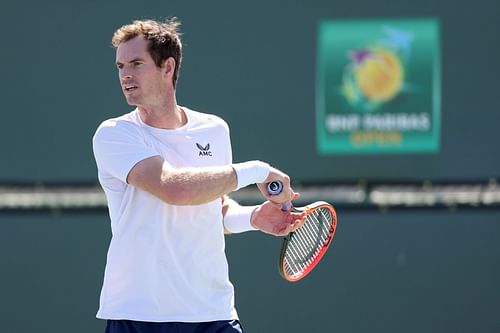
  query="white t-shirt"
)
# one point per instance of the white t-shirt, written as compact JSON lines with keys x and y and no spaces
{"x":165,"y":262}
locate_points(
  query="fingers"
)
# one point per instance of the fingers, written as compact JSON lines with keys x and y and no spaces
{"x":286,"y":194}
{"x":270,"y":218}
{"x":297,"y":223}
{"x":293,"y":222}
{"x":277,"y":175}
{"x":289,"y":221}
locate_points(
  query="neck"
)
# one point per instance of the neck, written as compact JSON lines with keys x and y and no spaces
{"x":167,"y":116}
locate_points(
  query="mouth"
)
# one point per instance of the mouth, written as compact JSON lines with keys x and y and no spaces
{"x":129,"y":87}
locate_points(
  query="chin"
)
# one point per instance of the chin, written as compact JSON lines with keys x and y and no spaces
{"x":131,"y":101}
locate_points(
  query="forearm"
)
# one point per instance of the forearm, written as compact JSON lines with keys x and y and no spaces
{"x":194,"y":186}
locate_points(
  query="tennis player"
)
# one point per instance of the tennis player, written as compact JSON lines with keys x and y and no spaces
{"x":167,"y":171}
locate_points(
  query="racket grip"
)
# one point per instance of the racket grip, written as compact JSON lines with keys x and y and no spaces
{"x":275,"y":188}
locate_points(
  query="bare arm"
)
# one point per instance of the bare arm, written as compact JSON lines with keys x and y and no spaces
{"x":186,"y":186}
{"x":195,"y":186}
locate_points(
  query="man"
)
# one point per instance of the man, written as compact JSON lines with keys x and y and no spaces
{"x":166,"y":171}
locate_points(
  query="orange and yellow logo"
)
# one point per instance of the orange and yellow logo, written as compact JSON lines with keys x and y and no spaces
{"x":375,"y":74}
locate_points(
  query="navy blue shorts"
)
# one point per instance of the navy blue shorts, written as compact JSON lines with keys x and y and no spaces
{"x":130,"y":326}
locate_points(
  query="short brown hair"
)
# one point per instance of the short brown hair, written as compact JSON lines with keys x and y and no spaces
{"x":164,"y":40}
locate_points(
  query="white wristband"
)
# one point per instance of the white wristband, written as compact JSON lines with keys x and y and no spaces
{"x":250,"y":172}
{"x":237,"y":219}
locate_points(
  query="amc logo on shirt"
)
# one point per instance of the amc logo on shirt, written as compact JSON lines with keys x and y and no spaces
{"x":204,"y":151}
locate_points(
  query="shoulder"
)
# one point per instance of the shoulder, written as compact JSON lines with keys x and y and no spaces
{"x":197,"y":119}
{"x":124,"y":124}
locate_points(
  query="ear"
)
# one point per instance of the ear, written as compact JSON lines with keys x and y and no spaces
{"x":169,"y":66}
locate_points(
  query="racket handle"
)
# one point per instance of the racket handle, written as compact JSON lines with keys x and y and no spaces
{"x":275,"y":188}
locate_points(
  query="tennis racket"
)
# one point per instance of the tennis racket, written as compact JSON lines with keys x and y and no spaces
{"x":303,"y":248}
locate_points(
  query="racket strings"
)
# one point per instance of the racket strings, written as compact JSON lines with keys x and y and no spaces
{"x":306,"y":243}
{"x":304,"y":247}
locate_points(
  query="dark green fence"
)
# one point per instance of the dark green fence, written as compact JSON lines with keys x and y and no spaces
{"x":399,"y":271}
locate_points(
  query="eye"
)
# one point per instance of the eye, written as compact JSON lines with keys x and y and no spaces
{"x":119,"y":66}
{"x":137,"y":63}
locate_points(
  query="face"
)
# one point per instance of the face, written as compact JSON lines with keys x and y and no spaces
{"x":143,"y":83}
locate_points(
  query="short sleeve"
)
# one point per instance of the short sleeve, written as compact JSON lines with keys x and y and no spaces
{"x":118,"y":146}
{"x":229,"y":151}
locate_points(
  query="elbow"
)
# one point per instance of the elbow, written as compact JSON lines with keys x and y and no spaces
{"x":178,"y":200}
{"x":177,"y":196}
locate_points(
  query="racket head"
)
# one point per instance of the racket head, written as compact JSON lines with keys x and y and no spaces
{"x":303,"y":249}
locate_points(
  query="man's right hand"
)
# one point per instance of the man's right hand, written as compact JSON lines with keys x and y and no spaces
{"x":287,"y":194}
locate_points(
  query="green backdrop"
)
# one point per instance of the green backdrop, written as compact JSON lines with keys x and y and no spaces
{"x":254,"y":64}
{"x":399,"y":271}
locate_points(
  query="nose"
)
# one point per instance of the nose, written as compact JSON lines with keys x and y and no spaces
{"x":125,"y":75}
